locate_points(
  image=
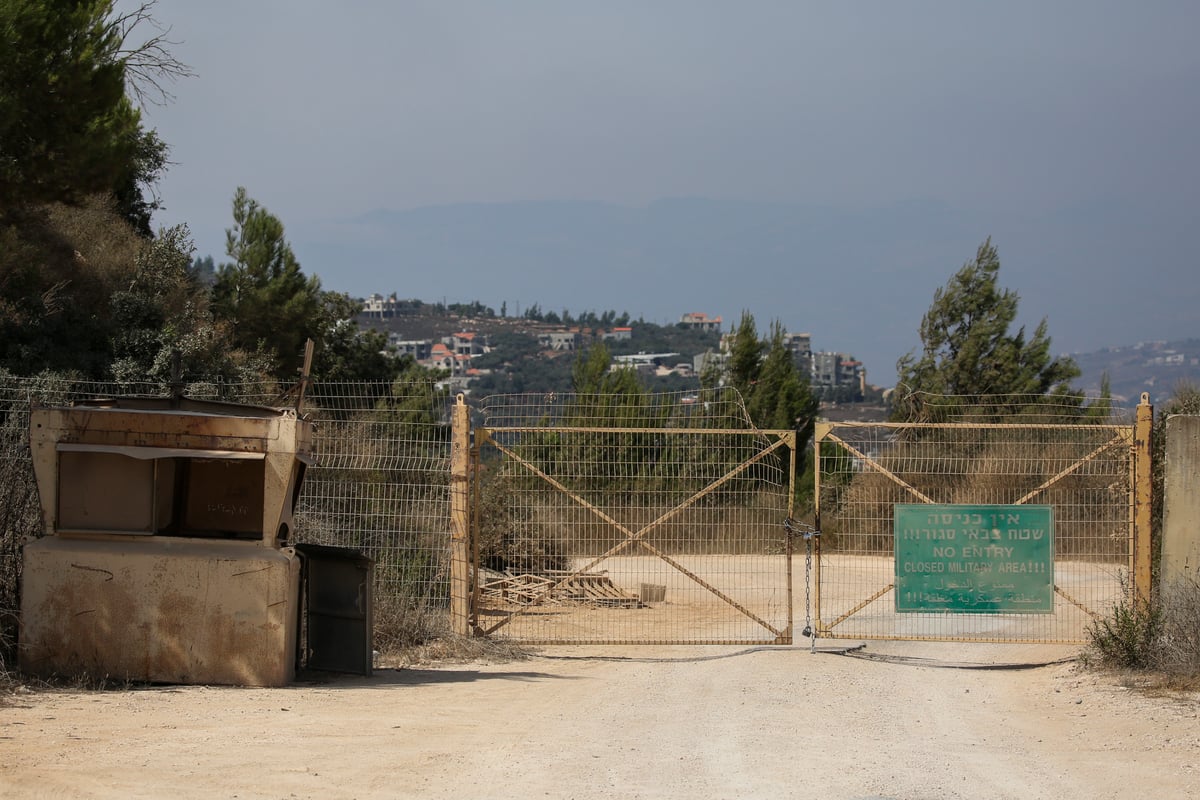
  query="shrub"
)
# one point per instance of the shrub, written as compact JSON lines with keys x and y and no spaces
{"x":511,"y":534}
{"x":1178,"y":646}
{"x":1161,"y":636}
{"x":401,"y":623}
{"x":1127,"y":638}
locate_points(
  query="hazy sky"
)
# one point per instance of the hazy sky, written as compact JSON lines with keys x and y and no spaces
{"x":1039,"y":123}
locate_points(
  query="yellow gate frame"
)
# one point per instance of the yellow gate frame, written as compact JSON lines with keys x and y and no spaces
{"x":783,"y":438}
{"x":1137,"y":437}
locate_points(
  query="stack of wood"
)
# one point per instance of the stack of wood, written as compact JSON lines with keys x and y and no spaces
{"x":598,"y":589}
{"x":557,"y":586}
{"x":521,"y":590}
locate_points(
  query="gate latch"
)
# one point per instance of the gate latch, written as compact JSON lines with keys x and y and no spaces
{"x":808,"y":533}
{"x":801,"y":529}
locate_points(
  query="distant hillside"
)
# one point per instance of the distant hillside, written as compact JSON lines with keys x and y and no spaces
{"x":433,"y":321}
{"x":858,"y":279}
{"x":1154,"y":367}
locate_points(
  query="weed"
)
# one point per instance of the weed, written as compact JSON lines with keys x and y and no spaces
{"x":1178,"y":646}
{"x":1127,"y":638}
{"x":456,"y":649}
{"x":401,"y":623}
{"x":1161,"y":637}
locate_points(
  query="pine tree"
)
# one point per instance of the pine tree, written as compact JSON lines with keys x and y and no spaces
{"x":745,"y":356}
{"x":273,"y":306}
{"x":68,"y":128}
{"x":967,"y":348}
{"x":763,"y":371}
{"x":780,"y":397}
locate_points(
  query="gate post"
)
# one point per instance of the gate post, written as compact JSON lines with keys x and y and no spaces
{"x":460,"y":583}
{"x":820,"y":432}
{"x":1142,"y":498}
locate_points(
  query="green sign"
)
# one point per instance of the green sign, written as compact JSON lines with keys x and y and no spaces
{"x":974,"y":559}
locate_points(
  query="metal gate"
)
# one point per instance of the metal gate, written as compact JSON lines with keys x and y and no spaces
{"x":1083,"y":475}
{"x":663,"y":523}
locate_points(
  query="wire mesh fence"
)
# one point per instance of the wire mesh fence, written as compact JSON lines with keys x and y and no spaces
{"x":657,"y":517}
{"x":973,"y":554}
{"x":380,"y":483}
{"x":631,"y":519}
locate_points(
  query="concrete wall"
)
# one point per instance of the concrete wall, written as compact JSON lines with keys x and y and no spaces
{"x":1181,"y":500}
{"x":160,"y":609}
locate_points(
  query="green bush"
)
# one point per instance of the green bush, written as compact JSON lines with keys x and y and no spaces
{"x":1128,"y":638}
{"x":1160,"y":636}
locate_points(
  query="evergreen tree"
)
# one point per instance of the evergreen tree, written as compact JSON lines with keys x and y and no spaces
{"x":603,"y":394}
{"x":163,"y":314}
{"x":59,"y":265}
{"x":765,"y":374}
{"x":273,"y":306}
{"x":780,"y":398}
{"x":348,"y":353}
{"x":967,"y":348}
{"x":415,"y":399}
{"x":590,"y":372}
{"x":745,"y":356}
{"x":67,"y":127}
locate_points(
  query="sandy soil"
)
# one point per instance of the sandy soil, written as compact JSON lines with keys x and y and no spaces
{"x":754,"y":604}
{"x":582,"y":722}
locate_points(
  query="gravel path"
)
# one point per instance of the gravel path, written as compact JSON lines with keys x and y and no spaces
{"x":633,"y":722}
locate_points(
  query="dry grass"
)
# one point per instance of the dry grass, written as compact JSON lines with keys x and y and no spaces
{"x":1155,"y":647}
{"x":1162,"y":684}
{"x":14,"y":685}
{"x":454,"y":649}
{"x":1177,"y":651}
{"x":411,"y":631}
{"x":984,"y":467}
{"x":402,"y":623}
{"x":11,"y":684}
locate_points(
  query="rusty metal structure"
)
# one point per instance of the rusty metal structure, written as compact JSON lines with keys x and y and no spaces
{"x":165,"y":556}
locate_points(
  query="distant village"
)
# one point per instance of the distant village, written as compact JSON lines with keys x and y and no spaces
{"x":454,"y":352}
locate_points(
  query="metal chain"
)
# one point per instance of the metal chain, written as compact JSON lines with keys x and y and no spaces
{"x":807,"y":589}
{"x":809,"y":533}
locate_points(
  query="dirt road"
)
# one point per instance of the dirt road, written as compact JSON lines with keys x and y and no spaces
{"x":624,"y":723}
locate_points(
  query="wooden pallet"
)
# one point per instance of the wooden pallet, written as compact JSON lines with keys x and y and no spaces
{"x":592,"y":588}
{"x":598,"y":589}
{"x":521,"y":590}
